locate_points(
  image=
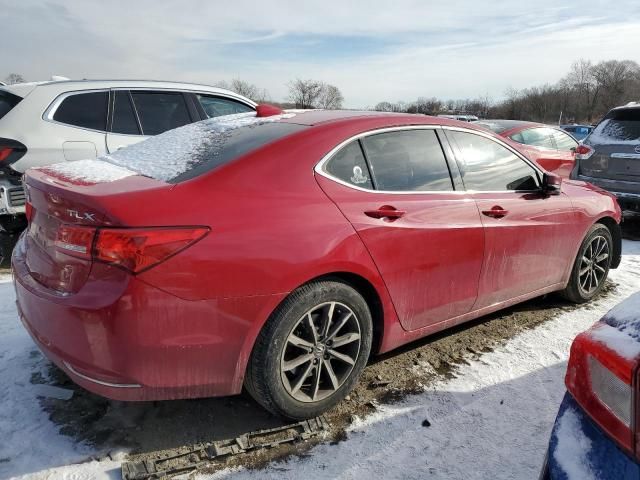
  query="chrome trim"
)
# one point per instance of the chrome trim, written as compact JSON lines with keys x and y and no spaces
{"x":634,"y":156}
{"x":100,"y":382}
{"x":319,"y":168}
{"x":239,"y":98}
{"x":48,"y":114}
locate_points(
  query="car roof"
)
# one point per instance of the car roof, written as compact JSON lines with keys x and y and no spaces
{"x":317,"y":117}
{"x":500,"y":126}
{"x":62,"y":86}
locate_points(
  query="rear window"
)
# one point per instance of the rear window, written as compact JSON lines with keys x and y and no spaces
{"x":7,"y":102}
{"x":618,"y":126}
{"x":190,"y":151}
{"x":85,"y":110}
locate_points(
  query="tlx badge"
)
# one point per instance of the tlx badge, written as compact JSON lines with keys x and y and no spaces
{"x":81,"y":215}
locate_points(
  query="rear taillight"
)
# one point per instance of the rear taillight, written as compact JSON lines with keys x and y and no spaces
{"x":583,"y":152}
{"x":4,"y":153}
{"x":28,"y":211}
{"x":601,"y":377}
{"x":11,"y":151}
{"x":134,"y":249}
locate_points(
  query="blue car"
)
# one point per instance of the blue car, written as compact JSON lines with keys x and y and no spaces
{"x":579,"y":132}
{"x":596,"y":434}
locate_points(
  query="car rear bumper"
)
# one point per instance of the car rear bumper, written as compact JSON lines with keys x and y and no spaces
{"x":123,"y":339}
{"x":627,"y":192}
{"x":587,"y":447}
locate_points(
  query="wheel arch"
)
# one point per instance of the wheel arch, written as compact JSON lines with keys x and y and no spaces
{"x":616,"y":235}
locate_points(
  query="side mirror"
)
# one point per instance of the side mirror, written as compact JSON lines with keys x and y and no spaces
{"x":551,"y":184}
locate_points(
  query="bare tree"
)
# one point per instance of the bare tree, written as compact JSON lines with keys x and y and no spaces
{"x":13,"y":78}
{"x":330,"y":98}
{"x":305,"y":93}
{"x":245,"y":89}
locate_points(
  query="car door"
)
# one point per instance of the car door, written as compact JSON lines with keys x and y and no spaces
{"x":425,"y":237}
{"x":529,"y":239}
{"x":139,"y":114}
{"x":566,"y":147}
{"x":545,"y":151}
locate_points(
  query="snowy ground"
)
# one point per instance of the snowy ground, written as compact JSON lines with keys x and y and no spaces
{"x":492,"y":421}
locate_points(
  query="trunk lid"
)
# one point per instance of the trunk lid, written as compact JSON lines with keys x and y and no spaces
{"x":58,"y":200}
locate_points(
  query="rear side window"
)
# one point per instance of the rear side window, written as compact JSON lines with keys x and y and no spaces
{"x":7,"y":102}
{"x":619,"y":126}
{"x":86,"y":110}
{"x":349,"y":165}
{"x":538,"y":137}
{"x":563,"y":141}
{"x":487,"y":166}
{"x":160,"y":111}
{"x":410,"y":160}
{"x":124,"y":118}
{"x":217,"y":106}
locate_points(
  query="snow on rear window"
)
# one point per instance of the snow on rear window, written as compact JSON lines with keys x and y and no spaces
{"x":88,"y":171}
{"x":620,"y":127}
{"x":170,"y":155}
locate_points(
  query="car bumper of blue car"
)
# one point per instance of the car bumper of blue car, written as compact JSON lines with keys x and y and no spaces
{"x":579,"y":449}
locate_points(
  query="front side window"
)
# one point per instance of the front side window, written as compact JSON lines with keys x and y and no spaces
{"x":86,"y":110}
{"x":487,"y":166}
{"x":217,"y":106}
{"x":349,"y":165}
{"x":563,"y":141}
{"x":124,"y":118}
{"x":409,"y":160}
{"x":160,"y":111}
{"x":537,"y":137}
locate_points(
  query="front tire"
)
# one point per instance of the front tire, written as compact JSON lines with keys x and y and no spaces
{"x":591,"y":266}
{"x":311,"y":351}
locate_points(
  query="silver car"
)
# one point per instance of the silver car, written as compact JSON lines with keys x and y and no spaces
{"x":610,"y":156}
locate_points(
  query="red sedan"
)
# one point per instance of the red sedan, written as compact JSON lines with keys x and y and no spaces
{"x":550,"y":147}
{"x":279,"y":251}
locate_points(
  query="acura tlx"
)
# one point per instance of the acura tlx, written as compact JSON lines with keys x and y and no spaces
{"x":277,"y":251}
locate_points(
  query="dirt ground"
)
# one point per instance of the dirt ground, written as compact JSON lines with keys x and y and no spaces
{"x":154,"y":429}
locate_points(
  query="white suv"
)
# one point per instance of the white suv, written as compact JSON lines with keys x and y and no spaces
{"x":50,"y":122}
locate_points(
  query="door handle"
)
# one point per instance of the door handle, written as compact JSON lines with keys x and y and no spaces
{"x":386,"y":211}
{"x":496,"y":212}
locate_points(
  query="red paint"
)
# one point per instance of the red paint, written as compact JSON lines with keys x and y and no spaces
{"x":185,"y":327}
{"x":264,"y":110}
{"x":556,"y":161}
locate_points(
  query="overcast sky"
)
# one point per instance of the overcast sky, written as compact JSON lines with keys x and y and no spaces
{"x":372,"y":50}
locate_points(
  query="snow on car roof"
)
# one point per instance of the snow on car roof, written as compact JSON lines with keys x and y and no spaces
{"x":172,"y":153}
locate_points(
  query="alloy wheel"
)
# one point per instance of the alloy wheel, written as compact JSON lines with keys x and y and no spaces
{"x":594,"y":264}
{"x":320,"y":352}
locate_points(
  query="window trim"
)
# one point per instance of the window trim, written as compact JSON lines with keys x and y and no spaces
{"x":49,"y":113}
{"x":448,"y":150}
{"x":539,"y":172}
{"x":112,"y":103}
{"x":319,"y":168}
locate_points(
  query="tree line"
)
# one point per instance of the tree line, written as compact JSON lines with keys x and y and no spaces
{"x":583,"y":95}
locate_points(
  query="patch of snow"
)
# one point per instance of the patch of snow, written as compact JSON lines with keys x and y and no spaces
{"x":89,"y":171}
{"x":572,"y":452}
{"x":627,"y":311}
{"x":610,"y":132}
{"x":617,"y":340}
{"x":172,"y":153}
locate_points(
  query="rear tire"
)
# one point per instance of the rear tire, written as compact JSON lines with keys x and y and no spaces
{"x":591,"y":266}
{"x":312,"y":350}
